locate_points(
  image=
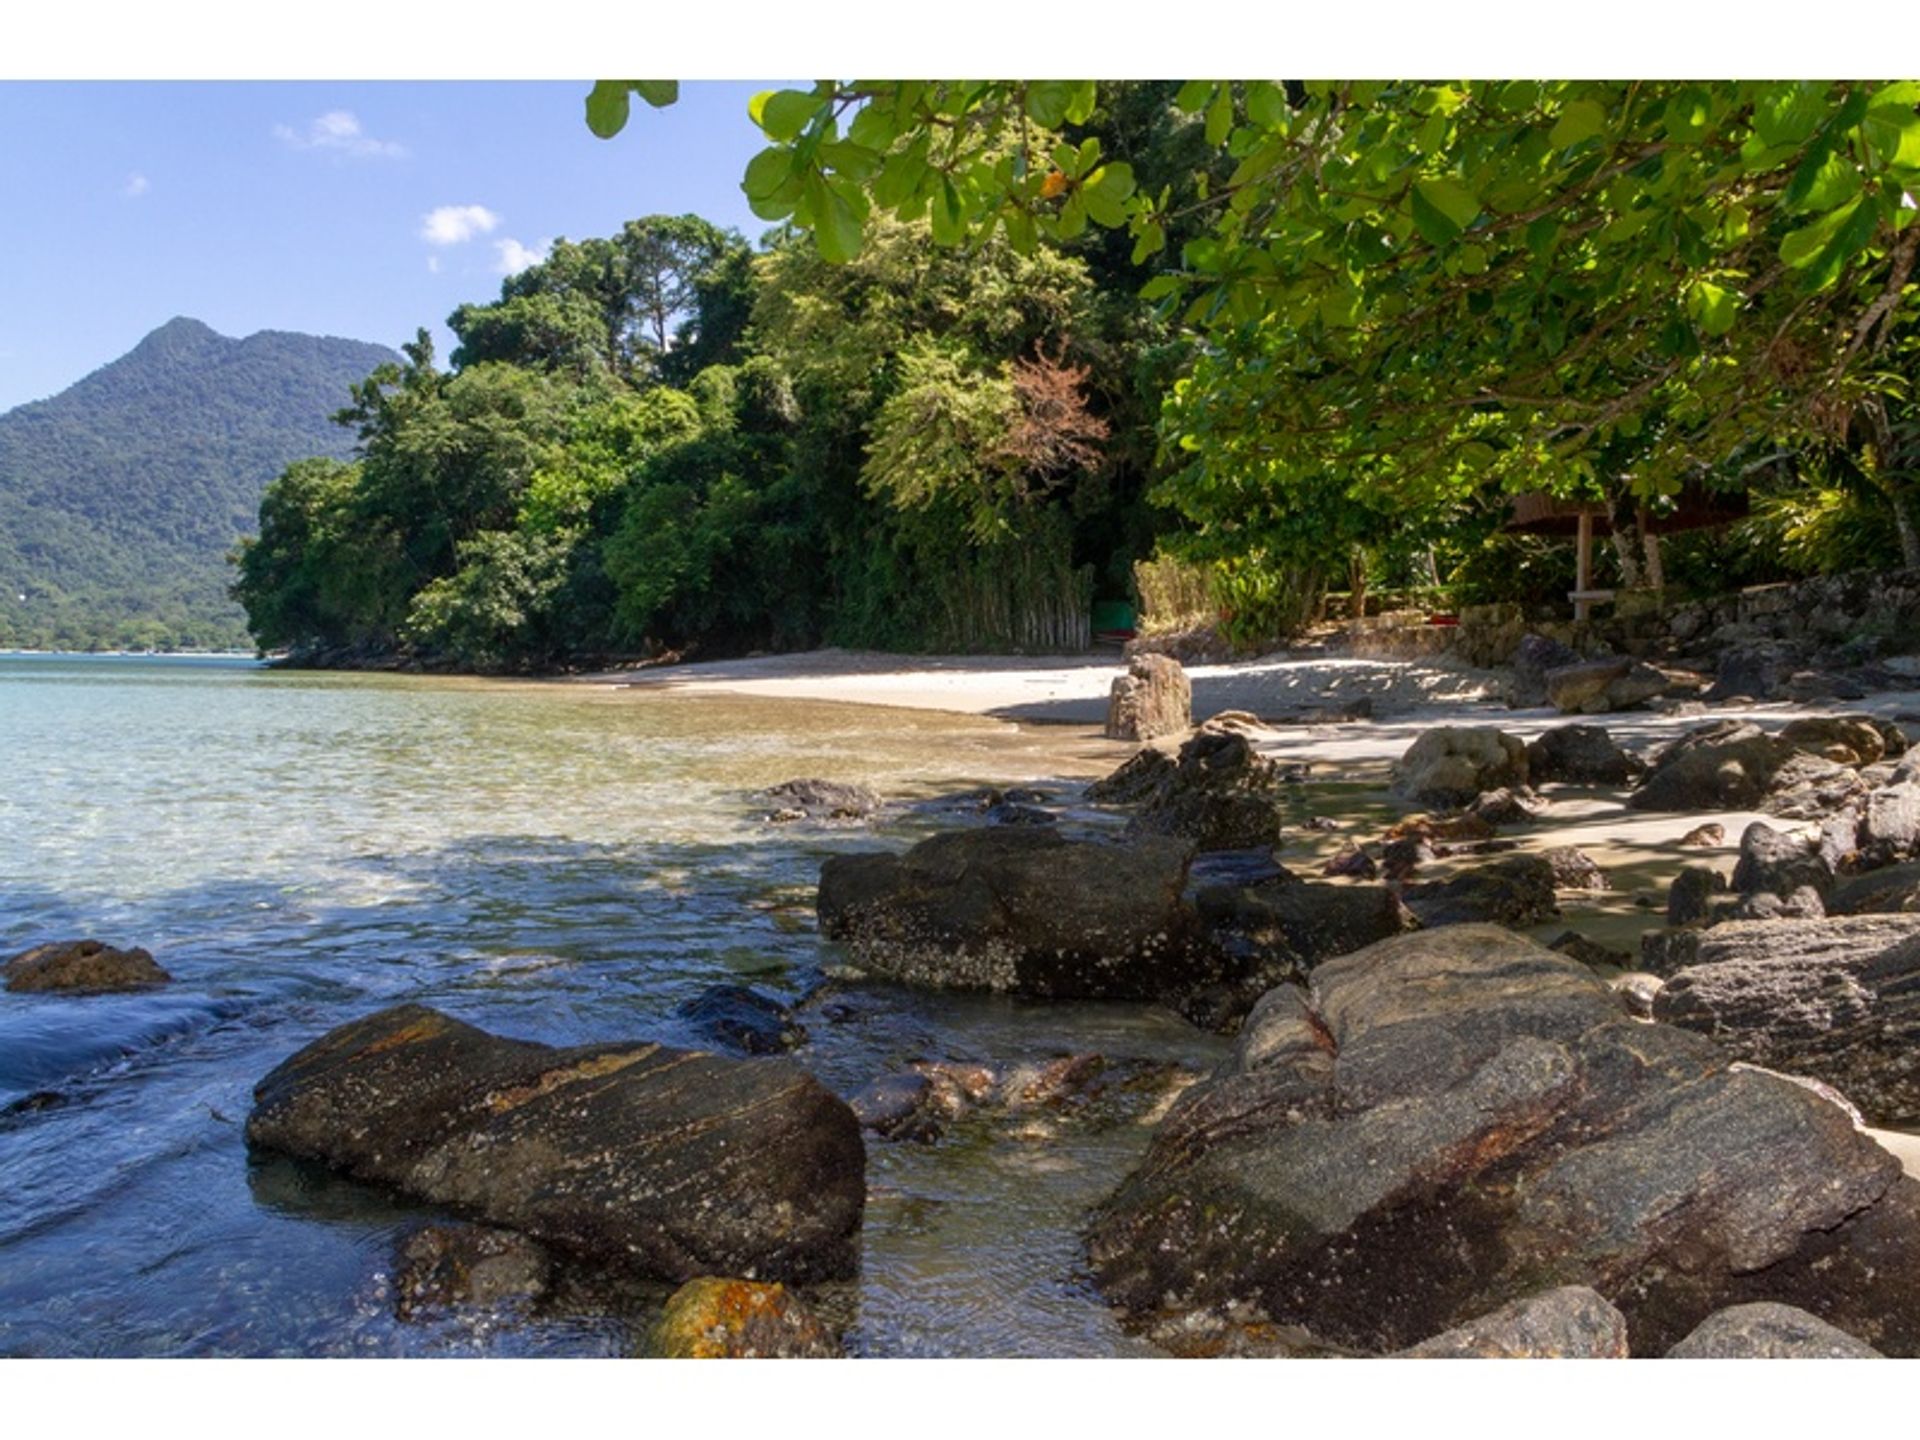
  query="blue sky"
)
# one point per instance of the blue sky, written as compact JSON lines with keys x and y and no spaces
{"x":312,"y":206}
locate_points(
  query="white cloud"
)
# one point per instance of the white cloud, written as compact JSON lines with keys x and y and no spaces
{"x":136,"y":186}
{"x":513,"y":257}
{"x":433,"y":264}
{"x":339,"y":131}
{"x":456,"y":224}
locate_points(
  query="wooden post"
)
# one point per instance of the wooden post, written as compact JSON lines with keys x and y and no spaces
{"x":1656,"y":572}
{"x":1583,"y":566}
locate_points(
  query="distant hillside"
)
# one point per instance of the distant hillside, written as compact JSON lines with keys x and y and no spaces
{"x":121,"y":496}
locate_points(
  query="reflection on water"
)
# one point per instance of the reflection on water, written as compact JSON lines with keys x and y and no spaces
{"x":563,"y":863}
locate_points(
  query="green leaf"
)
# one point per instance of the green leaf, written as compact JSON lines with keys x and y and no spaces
{"x":948,"y":216}
{"x":1802,"y":246}
{"x":607,"y":108}
{"x":874,"y":127}
{"x":767,"y":172}
{"x":1819,"y":184}
{"x":1047,"y":101}
{"x":782,"y":114}
{"x":1220,"y":115}
{"x":1442,"y":208}
{"x":1894,"y":133}
{"x":1582,"y":120}
{"x":1194,"y":96}
{"x":839,"y":227}
{"x":1267,"y":105}
{"x":1854,"y":233}
{"x":657,"y":93}
{"x":1712,"y":307}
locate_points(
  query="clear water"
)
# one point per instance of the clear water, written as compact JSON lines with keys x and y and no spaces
{"x":563,"y":863}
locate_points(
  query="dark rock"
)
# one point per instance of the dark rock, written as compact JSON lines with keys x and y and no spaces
{"x":1007,"y":813}
{"x":1400,"y":858}
{"x":1517,"y":891}
{"x":1451,"y":1118}
{"x":1778,"y":864}
{"x":1589,"y":952}
{"x":1509,"y":806}
{"x":82,"y":967}
{"x":1581,"y":755}
{"x":1801,"y":904}
{"x":1894,"y":890}
{"x":1152,"y":699}
{"x":1574,"y":869}
{"x":1018,"y":909}
{"x":1235,"y":867}
{"x":1889,"y":828}
{"x":713,"y":1318}
{"x":1690,"y":899}
{"x":668,"y":1162}
{"x":1705,"y":837}
{"x":1218,"y":792}
{"x":1532,"y":658}
{"x":820,"y":800}
{"x":1665,"y":952}
{"x":1293,"y":925}
{"x":899,"y":1107}
{"x":1766,"y":1330}
{"x":1753,"y":671}
{"x":1352,"y":862}
{"x":1853,"y":740}
{"x":1452,"y":765}
{"x":440,"y":1267}
{"x":743,"y":1020}
{"x":1837,"y":1000}
{"x":1735,"y":765}
{"x":1570,"y":1323}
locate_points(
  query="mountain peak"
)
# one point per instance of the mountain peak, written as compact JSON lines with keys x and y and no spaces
{"x":182,"y":332}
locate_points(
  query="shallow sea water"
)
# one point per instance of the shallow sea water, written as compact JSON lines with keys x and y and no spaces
{"x":561,"y":863}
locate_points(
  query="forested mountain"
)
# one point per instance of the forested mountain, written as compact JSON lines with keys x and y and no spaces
{"x":121,"y":496}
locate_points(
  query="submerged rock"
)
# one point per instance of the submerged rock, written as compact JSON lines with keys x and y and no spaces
{"x":1451,"y":1118}
{"x":1018,"y":909}
{"x":444,"y":1266}
{"x":1765,"y":1330}
{"x":713,"y":1318}
{"x":1292,"y":925}
{"x":1570,"y":1323}
{"x":82,"y":967}
{"x":820,"y":800}
{"x":1152,"y":699}
{"x":1452,"y":765}
{"x":743,"y":1020}
{"x":669,"y":1162}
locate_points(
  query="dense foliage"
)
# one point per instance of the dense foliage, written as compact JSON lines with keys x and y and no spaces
{"x":120,"y":497}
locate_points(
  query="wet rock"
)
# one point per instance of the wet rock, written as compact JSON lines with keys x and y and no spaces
{"x":1853,"y":740}
{"x":1292,"y":925}
{"x":1018,"y":909}
{"x":1216,"y":791}
{"x":1704,"y":837}
{"x":899,"y":1107}
{"x":743,"y":1020}
{"x":1766,"y":1330}
{"x":1152,"y":699}
{"x":1776,"y":863}
{"x":1513,"y":805}
{"x":1836,"y":999}
{"x":1235,"y":867}
{"x":1051,"y":1082}
{"x":820,"y":800}
{"x":442,"y":1267}
{"x":1574,"y":869}
{"x":667,"y":1162}
{"x":1692,"y":896}
{"x":1581,"y":755}
{"x":1532,"y":659}
{"x":1517,"y":891}
{"x":1735,"y":765}
{"x":1452,"y":765}
{"x":1894,"y":890}
{"x":1450,"y":1118}
{"x":1007,"y":813}
{"x":82,"y":967}
{"x":1595,"y":687}
{"x":1352,"y":862}
{"x":1570,"y":1323}
{"x":714,"y":1318}
{"x":1589,"y":952}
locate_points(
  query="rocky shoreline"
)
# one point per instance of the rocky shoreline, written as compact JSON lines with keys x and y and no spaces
{"x":1436,"y":1134}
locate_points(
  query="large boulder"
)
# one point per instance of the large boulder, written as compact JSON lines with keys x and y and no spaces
{"x":1844,"y":739}
{"x":1594,"y":687}
{"x":1774,"y":862}
{"x":1570,"y":1323}
{"x":1017,"y":909}
{"x":1518,"y":890}
{"x":670,"y":1163}
{"x":1834,"y":999}
{"x":1735,"y":765}
{"x":1449,"y":1120}
{"x":1889,"y":825}
{"x":1581,"y":755}
{"x":1449,"y":767}
{"x":1765,"y":1330}
{"x":1152,"y":699}
{"x":1217,"y":791}
{"x":1894,"y":890}
{"x":82,"y":967}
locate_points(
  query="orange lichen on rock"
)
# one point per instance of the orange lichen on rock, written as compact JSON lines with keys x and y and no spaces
{"x":714,"y":1318}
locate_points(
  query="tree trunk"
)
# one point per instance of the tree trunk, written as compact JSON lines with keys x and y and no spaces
{"x":1627,"y":542}
{"x":1357,"y":583}
{"x":1885,"y":471}
{"x":1903,"y":522}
